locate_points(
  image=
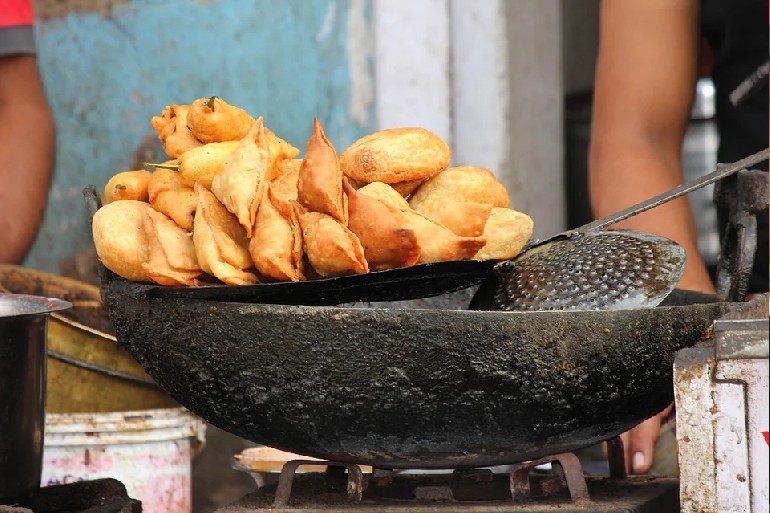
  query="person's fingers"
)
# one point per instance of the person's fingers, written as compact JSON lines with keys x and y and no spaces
{"x":641,"y":445}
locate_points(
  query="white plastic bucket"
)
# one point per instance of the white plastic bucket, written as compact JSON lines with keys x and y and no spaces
{"x":149,"y":451}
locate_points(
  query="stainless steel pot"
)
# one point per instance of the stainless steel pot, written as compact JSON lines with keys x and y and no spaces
{"x":23,"y":332}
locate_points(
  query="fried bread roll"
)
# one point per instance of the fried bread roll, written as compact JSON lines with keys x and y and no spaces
{"x":507,"y":232}
{"x":276,"y":246}
{"x":167,"y":194}
{"x":464,"y":218}
{"x":407,"y":187}
{"x":172,"y":261}
{"x":127,"y":185}
{"x":214,"y":120}
{"x":462,"y":183}
{"x":171,"y":127}
{"x":120,"y":238}
{"x":241,"y":183}
{"x":387,"y":244}
{"x":220,"y":241}
{"x":396,"y":155}
{"x":319,"y":186}
{"x":331,"y":248}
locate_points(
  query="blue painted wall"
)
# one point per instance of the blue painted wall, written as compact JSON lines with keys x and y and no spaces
{"x":106,"y":74}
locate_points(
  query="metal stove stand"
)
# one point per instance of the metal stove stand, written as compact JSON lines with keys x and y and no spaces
{"x":525,"y":489}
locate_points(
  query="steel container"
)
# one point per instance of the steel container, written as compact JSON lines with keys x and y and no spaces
{"x":23,"y":332}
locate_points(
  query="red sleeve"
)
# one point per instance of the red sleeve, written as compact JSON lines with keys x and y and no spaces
{"x":15,"y":13}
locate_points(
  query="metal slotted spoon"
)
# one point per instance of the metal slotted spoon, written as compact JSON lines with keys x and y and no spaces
{"x":591,"y":268}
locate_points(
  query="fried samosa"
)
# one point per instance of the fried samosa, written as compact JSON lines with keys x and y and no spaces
{"x":172,"y":261}
{"x":319,"y":186}
{"x":285,"y":185}
{"x":214,"y":120}
{"x":331,"y":248}
{"x":127,"y":185}
{"x":507,"y":232}
{"x":167,"y":194}
{"x":241,"y":183}
{"x":464,"y":218}
{"x":462,"y":183}
{"x":280,"y":151}
{"x":172,"y":130}
{"x":437,"y":242}
{"x":120,"y":238}
{"x":386,"y":194}
{"x":387,"y":244}
{"x":276,"y":245}
{"x":221,"y":245}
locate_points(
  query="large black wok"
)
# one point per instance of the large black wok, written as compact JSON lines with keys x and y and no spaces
{"x":409,"y":388}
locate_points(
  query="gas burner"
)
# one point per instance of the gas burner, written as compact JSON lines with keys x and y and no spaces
{"x":97,"y":496}
{"x":524,"y":488}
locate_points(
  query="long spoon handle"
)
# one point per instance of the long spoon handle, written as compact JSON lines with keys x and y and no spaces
{"x":676,"y":192}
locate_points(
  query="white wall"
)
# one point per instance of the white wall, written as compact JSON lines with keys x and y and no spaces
{"x":486,"y":76}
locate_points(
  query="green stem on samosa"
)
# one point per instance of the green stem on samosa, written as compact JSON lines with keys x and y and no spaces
{"x":210,"y":103}
{"x":173,"y":167}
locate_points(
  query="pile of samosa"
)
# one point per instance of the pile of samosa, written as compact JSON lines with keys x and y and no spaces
{"x":235,"y":203}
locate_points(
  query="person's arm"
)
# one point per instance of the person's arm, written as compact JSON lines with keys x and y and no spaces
{"x":26,"y":155}
{"x":645,"y":82}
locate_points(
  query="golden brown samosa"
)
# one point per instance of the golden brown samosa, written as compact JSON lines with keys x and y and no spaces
{"x":280,"y":150}
{"x":507,"y":232}
{"x":127,"y":185}
{"x":387,"y":244}
{"x":172,"y":130}
{"x":241,"y":183}
{"x":276,"y":245}
{"x":284,"y":185}
{"x":331,"y":248}
{"x":319,"y":187}
{"x":386,"y":194}
{"x":437,"y":242}
{"x":167,"y":194}
{"x":172,"y":261}
{"x":465,"y":218}
{"x":220,"y":241}
{"x":214,"y":120}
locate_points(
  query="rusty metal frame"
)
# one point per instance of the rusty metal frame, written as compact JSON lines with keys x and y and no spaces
{"x":573,"y":474}
{"x":355,"y":486}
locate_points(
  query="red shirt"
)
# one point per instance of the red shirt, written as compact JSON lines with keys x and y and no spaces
{"x":17,"y":21}
{"x":15,"y":13}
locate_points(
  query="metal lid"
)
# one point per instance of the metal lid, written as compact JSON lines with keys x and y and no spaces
{"x":14,"y":305}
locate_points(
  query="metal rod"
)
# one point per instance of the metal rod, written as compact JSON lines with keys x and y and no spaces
{"x":675,"y":193}
{"x":102,"y":370}
{"x":616,"y":458}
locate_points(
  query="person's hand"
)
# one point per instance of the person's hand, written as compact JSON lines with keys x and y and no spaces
{"x":639,"y":443}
